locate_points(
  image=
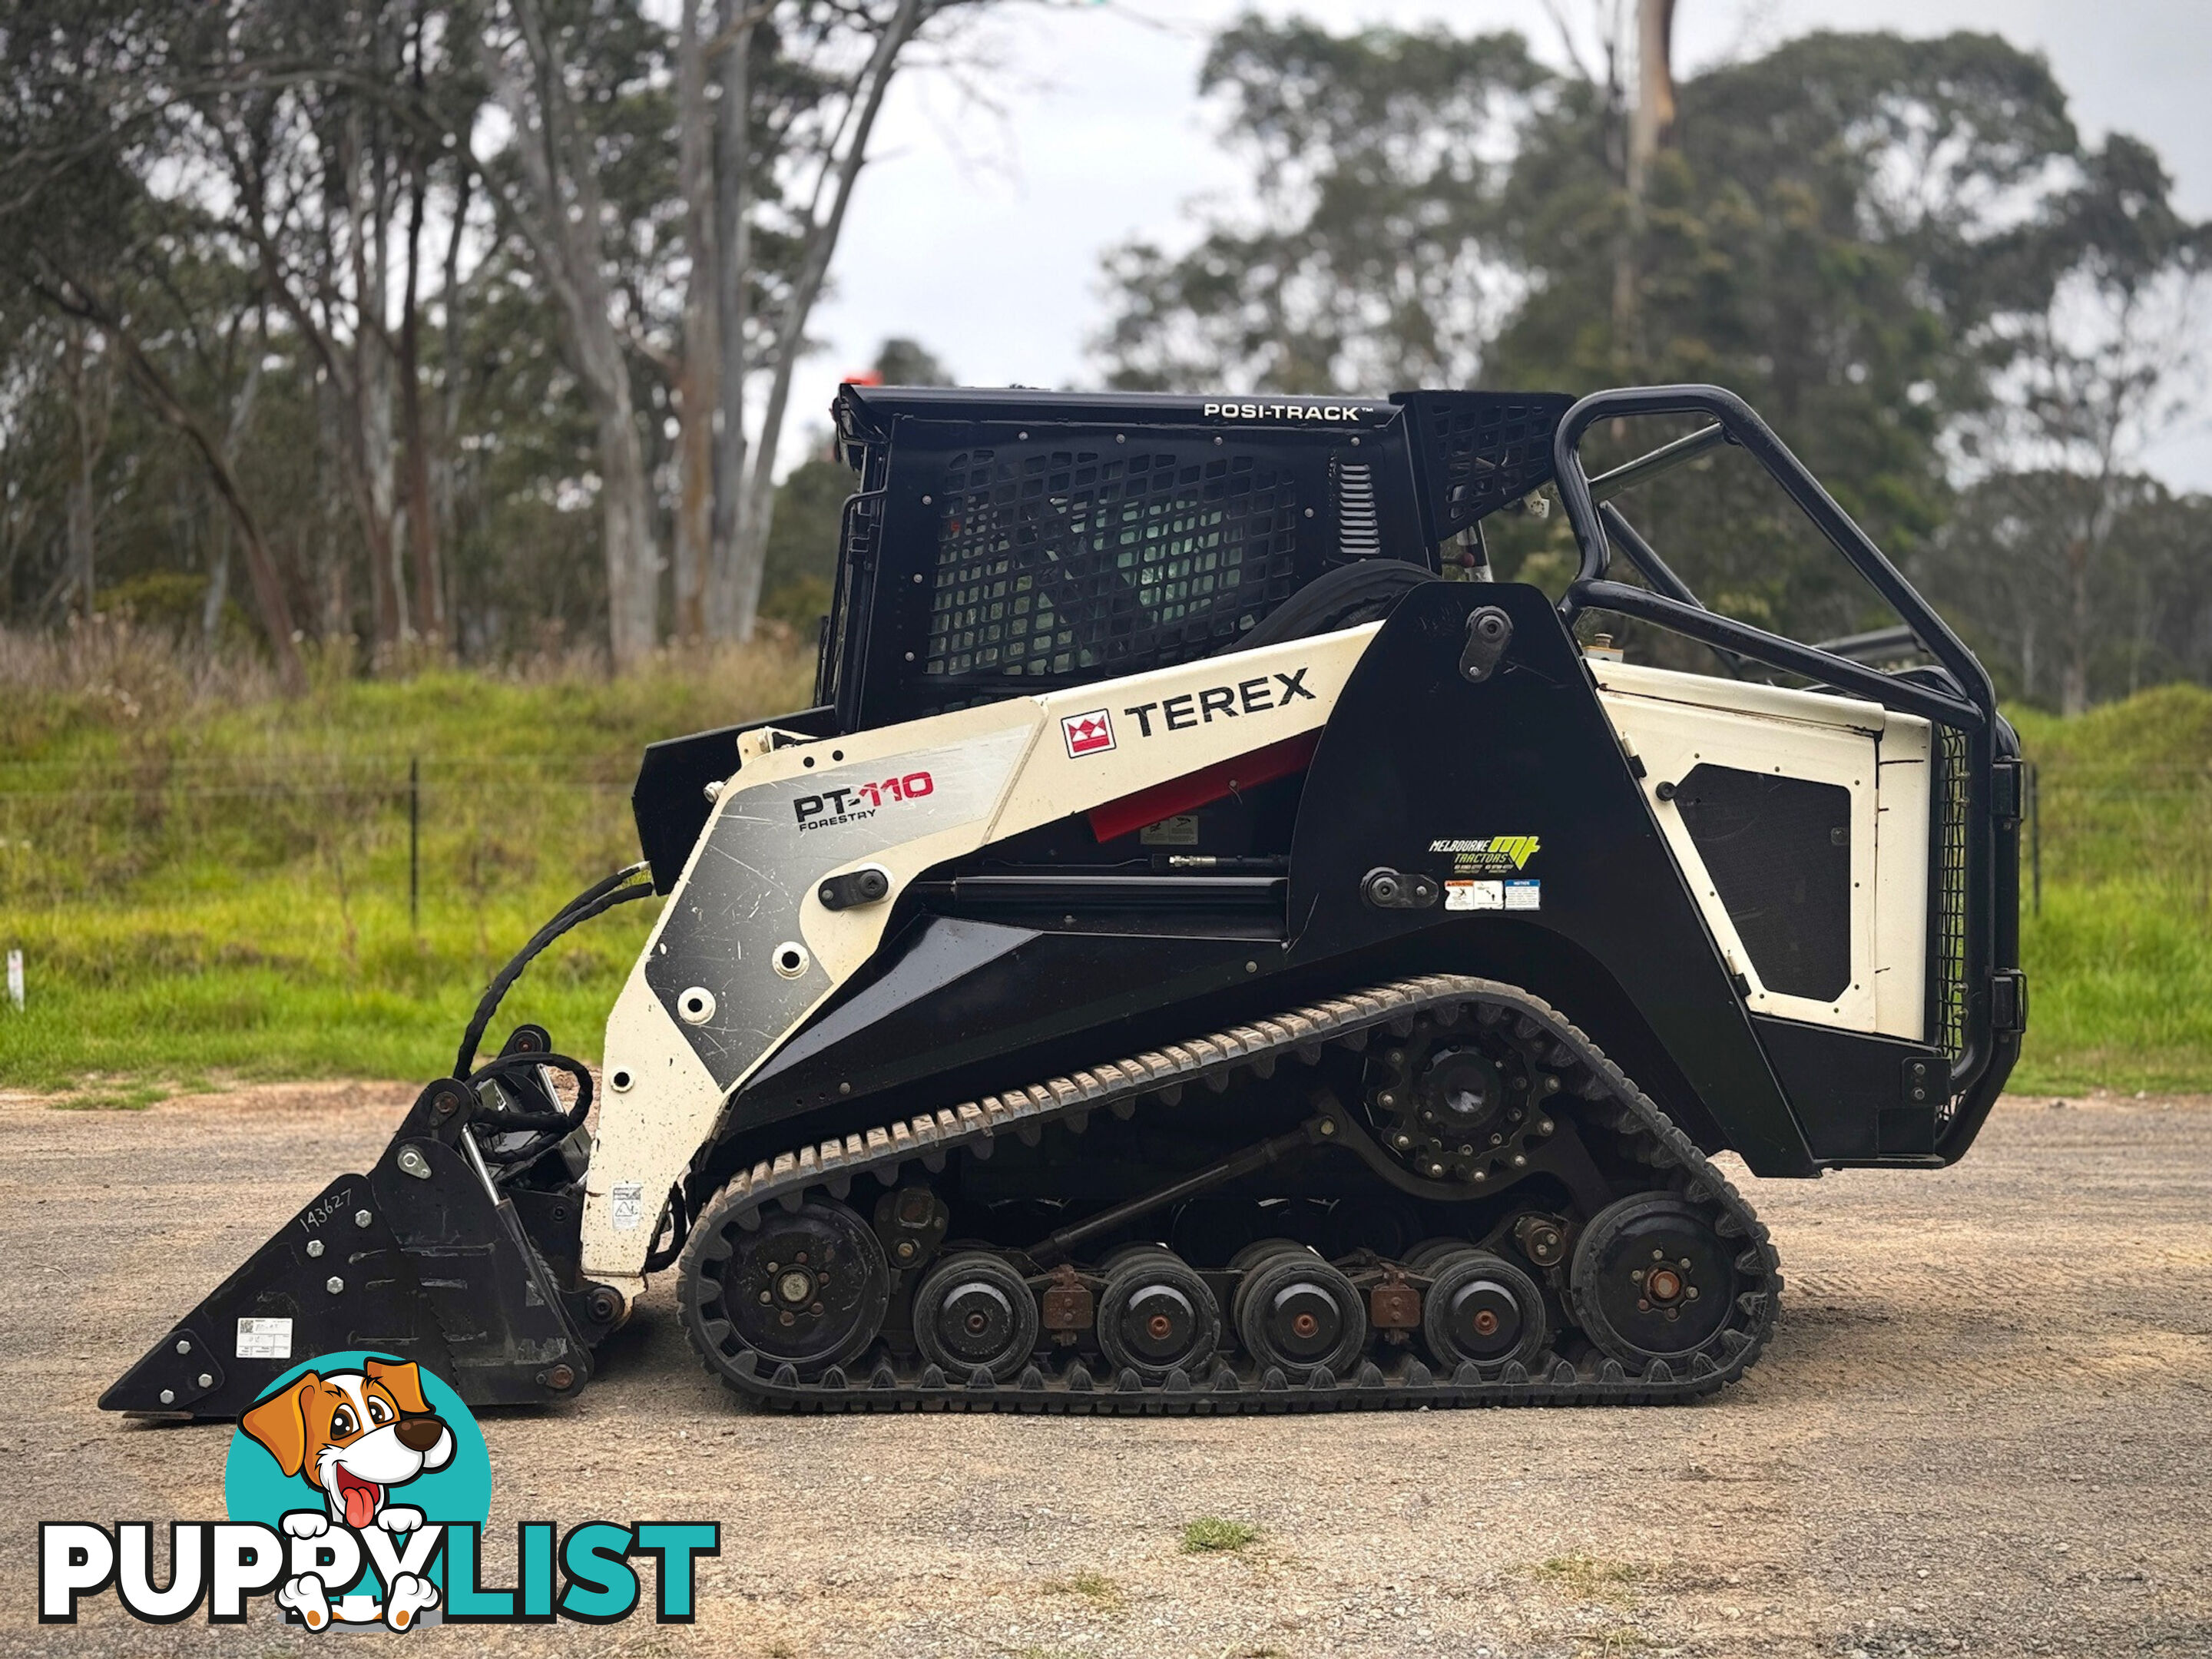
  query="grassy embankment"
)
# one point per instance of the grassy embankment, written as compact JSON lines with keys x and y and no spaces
{"x":2119,"y":963}
{"x":210,"y":886}
{"x":203,"y":889}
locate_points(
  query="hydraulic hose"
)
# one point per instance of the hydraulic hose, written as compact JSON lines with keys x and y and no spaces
{"x":599,"y":897}
{"x":552,"y":1126}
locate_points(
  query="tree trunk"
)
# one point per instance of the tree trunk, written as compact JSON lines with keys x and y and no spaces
{"x":374,"y":482}
{"x":218,"y":587}
{"x":626,"y":517}
{"x":381,"y":473}
{"x":2074,"y":679}
{"x":446,"y":466}
{"x":1651,"y":116}
{"x":701,"y":365}
{"x":733,"y":240}
{"x":242,"y":417}
{"x":86,"y":372}
{"x":558,"y":212}
{"x":756,"y":506}
{"x":421,"y":519}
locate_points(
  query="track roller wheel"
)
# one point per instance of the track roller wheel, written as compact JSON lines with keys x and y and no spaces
{"x":1424,"y":1256}
{"x":1139,"y":1250}
{"x":1247,"y":1261}
{"x":1480,"y":1310}
{"x":974,"y":1309}
{"x":1262,"y":1250}
{"x":1296,"y":1311}
{"x":808,"y":1286}
{"x":1156,"y":1315}
{"x":1652,"y":1279}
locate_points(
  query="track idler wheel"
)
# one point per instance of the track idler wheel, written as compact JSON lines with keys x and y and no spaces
{"x":1156,"y":1315}
{"x":1480,"y":1310}
{"x":1296,"y":1312}
{"x":1652,"y":1279}
{"x":807,"y":1287}
{"x":974,"y":1311}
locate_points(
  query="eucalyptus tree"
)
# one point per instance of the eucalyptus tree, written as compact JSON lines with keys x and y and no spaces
{"x":1848,"y":228}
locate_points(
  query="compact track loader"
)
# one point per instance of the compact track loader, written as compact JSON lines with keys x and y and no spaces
{"x":1192,"y":958}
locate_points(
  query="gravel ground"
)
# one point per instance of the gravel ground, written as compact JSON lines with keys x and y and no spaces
{"x":1983,"y":1426}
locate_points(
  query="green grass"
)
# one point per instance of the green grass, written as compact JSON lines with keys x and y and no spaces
{"x":204,"y":890}
{"x":1587,"y":1579}
{"x":2119,"y":991}
{"x":133,"y":1097}
{"x":1093,"y":1587}
{"x":207,"y":887}
{"x":2119,"y":962}
{"x":1210,"y":1535}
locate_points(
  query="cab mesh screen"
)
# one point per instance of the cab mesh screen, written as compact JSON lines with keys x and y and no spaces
{"x":1066,"y":561}
{"x":1481,"y":450}
{"x":1779,"y":852}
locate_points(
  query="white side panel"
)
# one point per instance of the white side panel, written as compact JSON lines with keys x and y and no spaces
{"x":1674,"y":737}
{"x":1673,"y":721}
{"x":1022,"y":763}
{"x":659,"y":1103}
{"x":1904,"y":797}
{"x":1742,"y":696}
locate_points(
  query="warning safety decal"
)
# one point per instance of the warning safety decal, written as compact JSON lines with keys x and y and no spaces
{"x":1493,"y":895}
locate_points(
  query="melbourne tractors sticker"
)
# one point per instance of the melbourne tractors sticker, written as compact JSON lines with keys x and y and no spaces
{"x":1481,"y":870}
{"x":358,"y":1487}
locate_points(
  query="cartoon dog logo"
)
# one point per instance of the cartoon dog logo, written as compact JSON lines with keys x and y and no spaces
{"x":354,"y":1435}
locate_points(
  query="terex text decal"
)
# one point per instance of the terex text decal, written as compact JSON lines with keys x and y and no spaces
{"x":1251,"y":697}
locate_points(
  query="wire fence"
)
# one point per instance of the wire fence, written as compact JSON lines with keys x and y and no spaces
{"x":2093,"y":822}
{"x":72,"y":830}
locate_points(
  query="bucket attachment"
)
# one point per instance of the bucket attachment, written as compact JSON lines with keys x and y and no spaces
{"x":431,"y":1257}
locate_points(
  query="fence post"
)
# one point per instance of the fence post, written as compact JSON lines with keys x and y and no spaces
{"x":15,"y":980}
{"x":415,"y":843}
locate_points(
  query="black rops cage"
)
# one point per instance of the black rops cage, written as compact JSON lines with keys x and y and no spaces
{"x":1008,"y":543}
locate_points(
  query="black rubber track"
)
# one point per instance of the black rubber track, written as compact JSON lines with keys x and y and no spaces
{"x":1158,"y":1078}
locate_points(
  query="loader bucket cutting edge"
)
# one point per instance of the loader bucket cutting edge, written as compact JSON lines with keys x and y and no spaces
{"x":417,"y":1259}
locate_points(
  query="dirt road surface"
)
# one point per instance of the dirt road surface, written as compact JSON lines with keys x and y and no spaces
{"x":1984,"y":1426}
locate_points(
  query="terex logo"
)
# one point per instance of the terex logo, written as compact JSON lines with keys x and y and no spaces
{"x":1087,"y":734}
{"x":1251,"y":697}
{"x":855,"y":805}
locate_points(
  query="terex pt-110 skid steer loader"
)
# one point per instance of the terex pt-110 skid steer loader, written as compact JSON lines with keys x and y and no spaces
{"x":1191,"y":957}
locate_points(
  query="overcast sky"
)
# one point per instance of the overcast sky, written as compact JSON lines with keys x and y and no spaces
{"x":980,"y":235}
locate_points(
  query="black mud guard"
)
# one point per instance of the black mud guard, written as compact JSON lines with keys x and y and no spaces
{"x":1422,"y":755}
